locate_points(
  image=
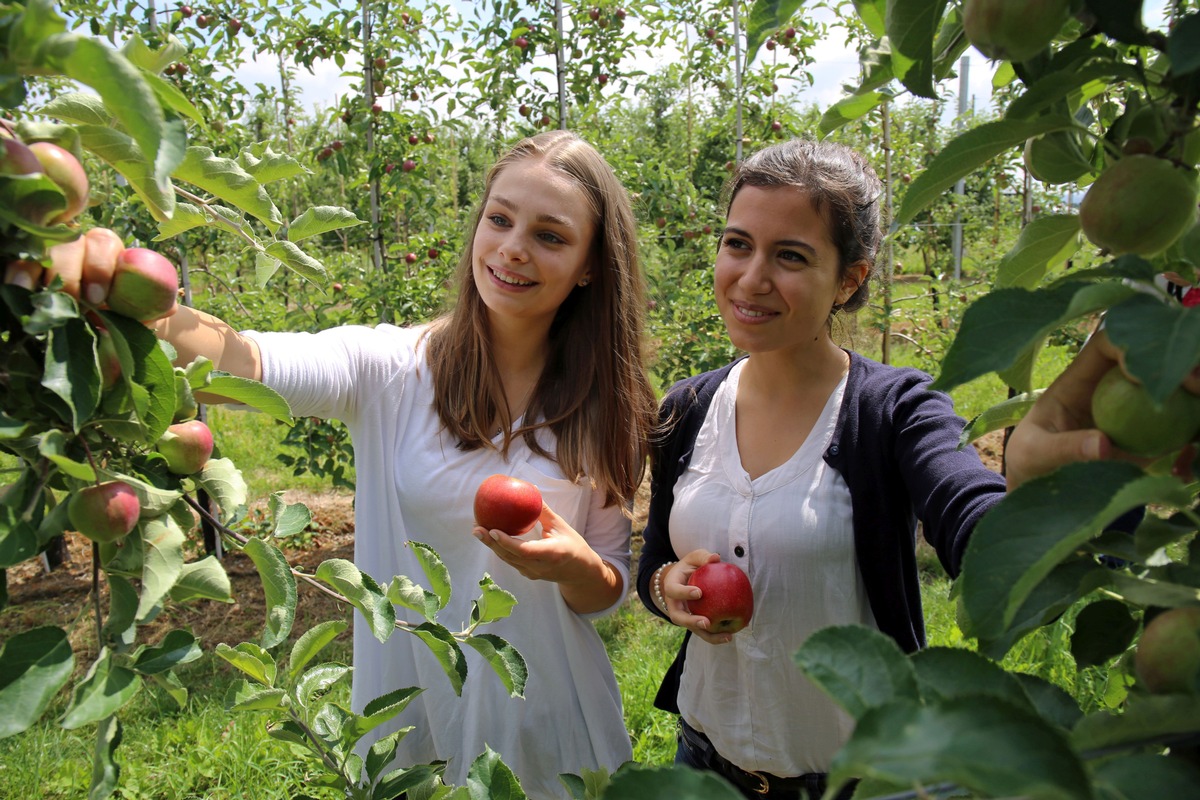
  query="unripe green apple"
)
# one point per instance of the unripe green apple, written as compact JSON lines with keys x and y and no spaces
{"x":1124,"y":411}
{"x":186,"y":446}
{"x":105,"y":512}
{"x":1167,"y":659}
{"x":1056,"y":157}
{"x":1141,"y":204}
{"x":66,"y":171}
{"x":1015,"y":30}
{"x":726,"y":598}
{"x":145,"y":285}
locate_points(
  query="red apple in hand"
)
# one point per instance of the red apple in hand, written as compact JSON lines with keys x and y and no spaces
{"x":186,"y":446}
{"x":145,"y":285}
{"x":105,"y":512}
{"x":726,"y":597}
{"x":507,"y":504}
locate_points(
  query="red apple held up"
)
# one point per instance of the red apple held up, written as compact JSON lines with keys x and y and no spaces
{"x":726,"y":597}
{"x":186,"y":446}
{"x":145,"y":285}
{"x":507,"y":504}
{"x":105,"y":512}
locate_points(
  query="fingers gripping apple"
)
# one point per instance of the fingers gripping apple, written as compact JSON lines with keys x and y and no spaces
{"x":727,"y":598}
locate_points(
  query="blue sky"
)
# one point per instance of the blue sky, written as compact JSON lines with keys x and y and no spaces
{"x":835,"y":64}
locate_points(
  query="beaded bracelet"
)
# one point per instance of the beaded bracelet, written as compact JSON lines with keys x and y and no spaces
{"x":658,"y":595}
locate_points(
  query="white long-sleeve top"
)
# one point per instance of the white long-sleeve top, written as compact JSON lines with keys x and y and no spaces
{"x":413,"y":484}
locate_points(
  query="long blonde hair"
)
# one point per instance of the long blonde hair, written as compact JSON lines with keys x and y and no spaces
{"x":593,"y":393}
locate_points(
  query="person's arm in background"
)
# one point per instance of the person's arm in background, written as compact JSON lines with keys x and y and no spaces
{"x":86,"y":266}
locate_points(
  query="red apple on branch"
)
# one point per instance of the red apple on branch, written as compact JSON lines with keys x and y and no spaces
{"x":186,"y":446}
{"x":105,"y":512}
{"x":64,"y":169}
{"x":145,"y":285}
{"x":726,"y":597}
{"x":1167,"y":659}
{"x":507,"y":504}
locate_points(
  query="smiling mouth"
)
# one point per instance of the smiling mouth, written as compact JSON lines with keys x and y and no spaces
{"x":752,"y":313}
{"x":509,"y":278}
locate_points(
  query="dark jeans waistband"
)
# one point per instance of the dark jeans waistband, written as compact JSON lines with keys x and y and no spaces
{"x":701,"y":753}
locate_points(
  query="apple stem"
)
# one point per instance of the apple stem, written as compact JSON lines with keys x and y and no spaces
{"x":96,"y":595}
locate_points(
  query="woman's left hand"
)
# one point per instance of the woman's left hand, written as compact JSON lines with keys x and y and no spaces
{"x":560,"y":554}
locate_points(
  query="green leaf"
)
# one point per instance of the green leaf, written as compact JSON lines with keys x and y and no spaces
{"x":52,"y":446}
{"x":289,"y":518}
{"x":435,"y":571}
{"x":318,"y":680}
{"x":494,"y":603}
{"x":1044,"y":242}
{"x":1150,"y":592}
{"x":766,"y":16}
{"x":251,"y":393}
{"x":297,"y":260}
{"x":403,"y":592}
{"x":1052,"y":702}
{"x":380,"y":710}
{"x":446,"y":650}
{"x":361,"y":590}
{"x":312,"y":642}
{"x":245,"y":696}
{"x":1145,"y":718}
{"x":185,"y":218}
{"x":1000,"y":416}
{"x":1103,"y":630}
{"x":34,"y":665}
{"x":105,"y":689}
{"x":153,"y":61}
{"x":279,"y":590}
{"x":849,"y":109}
{"x":912,"y":26}
{"x":153,"y":500}
{"x":402,"y":780}
{"x":250,"y":659}
{"x":105,"y":771}
{"x":1040,"y":524}
{"x":172,"y":97}
{"x":121,"y":152}
{"x":505,"y":659}
{"x":999,"y":326}
{"x":169,"y":682}
{"x":992,"y":749}
{"x":1050,"y":89}
{"x":225,"y":485}
{"x":153,"y":375}
{"x":177,"y":647}
{"x":205,"y":579}
{"x":162,"y":561}
{"x":859,"y":668}
{"x":265,"y":268}
{"x":1144,"y":776}
{"x":71,"y":371}
{"x":321,"y":219}
{"x":1161,"y":342}
{"x":945,"y":673}
{"x":120,"y":628}
{"x":1183,"y":44}
{"x":490,"y":778}
{"x":126,"y":95}
{"x":383,"y":753}
{"x":225,"y":179}
{"x":966,"y":153}
{"x":677,"y":782}
{"x":267,"y":166}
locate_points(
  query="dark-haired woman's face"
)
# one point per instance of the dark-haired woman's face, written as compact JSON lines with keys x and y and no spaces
{"x":777,"y":271}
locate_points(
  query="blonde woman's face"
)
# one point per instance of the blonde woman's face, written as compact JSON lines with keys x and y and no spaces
{"x":532,"y":244}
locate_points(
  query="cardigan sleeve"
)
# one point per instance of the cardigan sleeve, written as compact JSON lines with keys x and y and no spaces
{"x":949,"y":486}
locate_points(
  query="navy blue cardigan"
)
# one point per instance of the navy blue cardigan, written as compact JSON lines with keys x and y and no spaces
{"x":895,"y":445}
